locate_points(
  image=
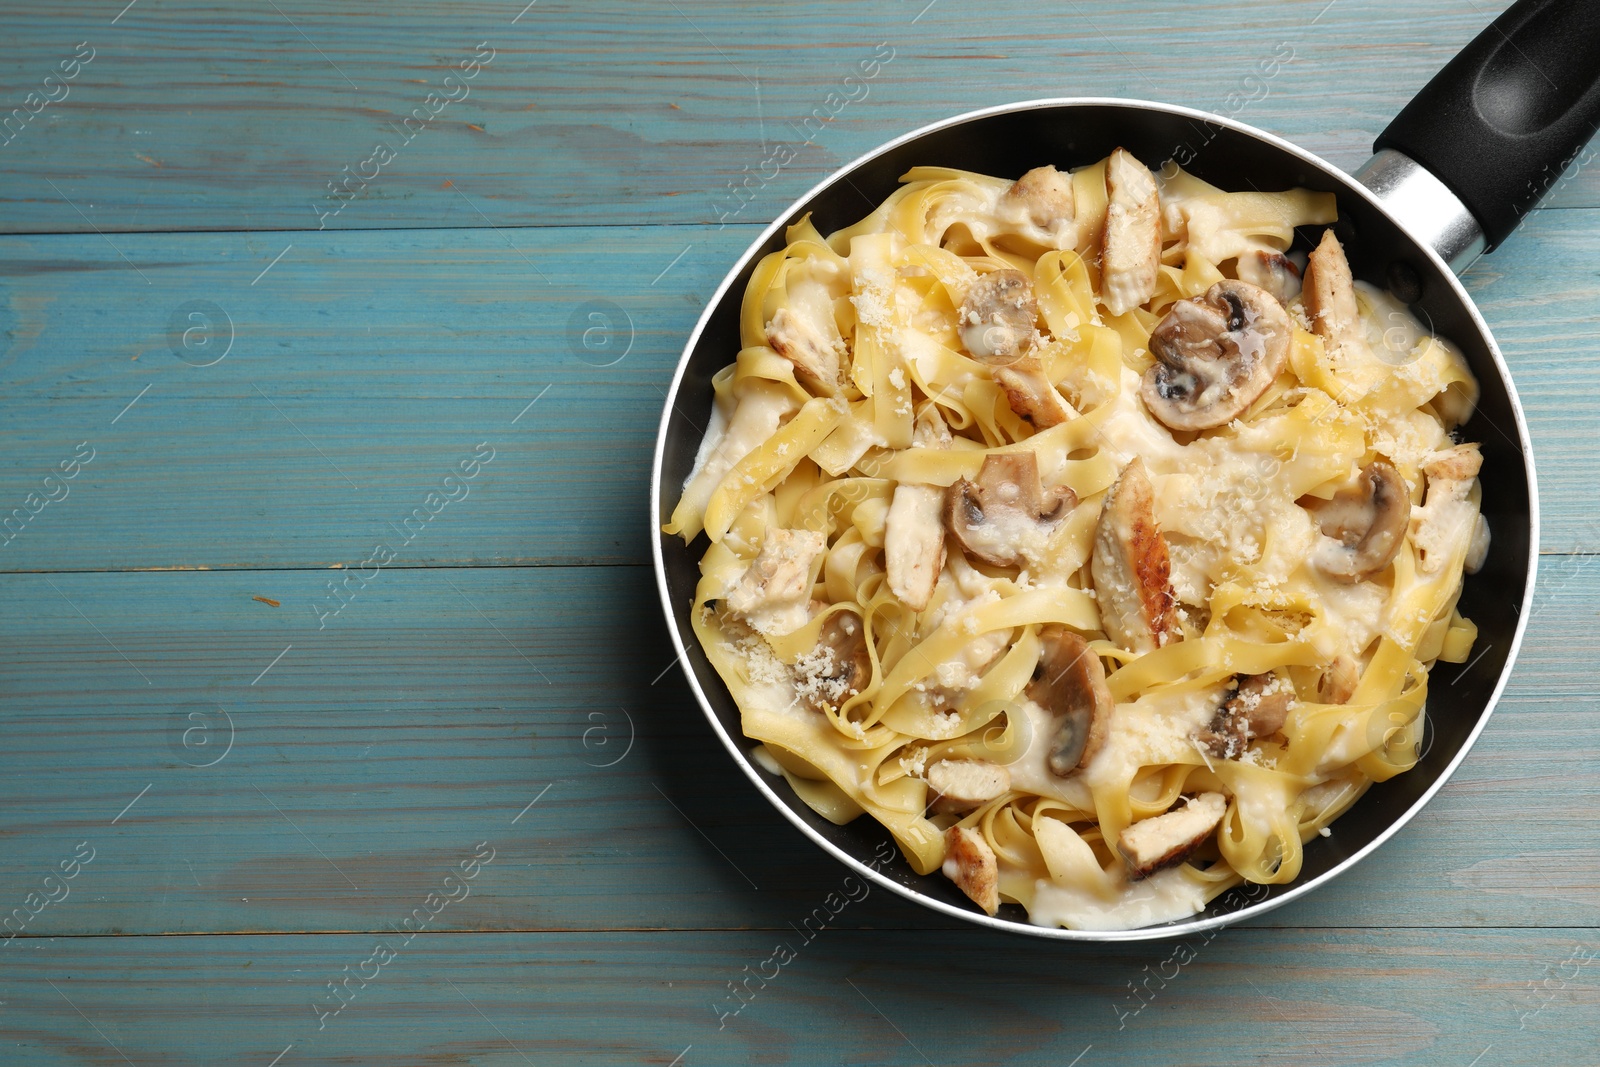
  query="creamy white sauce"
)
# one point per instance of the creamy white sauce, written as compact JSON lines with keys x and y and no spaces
{"x":1163,"y":897}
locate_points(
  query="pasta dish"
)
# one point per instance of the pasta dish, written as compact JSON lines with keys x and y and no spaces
{"x":1082,"y":533}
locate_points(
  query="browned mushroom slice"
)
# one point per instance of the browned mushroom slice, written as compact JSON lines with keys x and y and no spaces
{"x":1272,"y":271}
{"x":1069,"y":683}
{"x":913,"y":543}
{"x":1031,"y":395}
{"x":1215,"y":356}
{"x":1132,"y":571}
{"x":1257,"y":707}
{"x":1329,"y":298}
{"x":838,"y":668}
{"x":1043,"y":197}
{"x":970,"y":863}
{"x":818,"y":360}
{"x":959,"y":785}
{"x":998,"y":317}
{"x":1364,"y":524}
{"x":1166,"y":840}
{"x":1005,"y":516}
{"x":1338,"y":682}
{"x":1266,"y":700}
{"x":1130,"y":248}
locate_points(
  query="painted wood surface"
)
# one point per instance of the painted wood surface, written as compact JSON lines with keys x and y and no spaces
{"x":1337,"y":997}
{"x":220,"y":746}
{"x":198,"y":115}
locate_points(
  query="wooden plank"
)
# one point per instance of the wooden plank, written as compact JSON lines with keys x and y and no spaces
{"x":367,"y":758}
{"x":366,"y":366}
{"x":363,"y":368}
{"x":189,"y":117}
{"x":1337,"y":997}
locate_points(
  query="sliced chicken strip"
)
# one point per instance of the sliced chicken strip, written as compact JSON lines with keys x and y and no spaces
{"x":818,"y":359}
{"x":1447,"y":515}
{"x":774,"y":593}
{"x":1130,"y":248}
{"x":1329,"y":299}
{"x":1031,"y":395}
{"x":913,"y":544}
{"x":1166,"y":840}
{"x":970,"y":863}
{"x":1132,"y":571}
{"x":959,"y":785}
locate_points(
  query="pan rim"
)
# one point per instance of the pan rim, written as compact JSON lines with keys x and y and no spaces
{"x":1182,"y":927}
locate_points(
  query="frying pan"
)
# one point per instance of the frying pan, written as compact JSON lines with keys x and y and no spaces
{"x":1451,"y":178}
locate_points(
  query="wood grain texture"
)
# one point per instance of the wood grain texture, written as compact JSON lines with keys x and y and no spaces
{"x":422,"y":719}
{"x":1335,"y":997}
{"x":365,"y":366}
{"x":284,"y":784}
{"x":195,"y":116}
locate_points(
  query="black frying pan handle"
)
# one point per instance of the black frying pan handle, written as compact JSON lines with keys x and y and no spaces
{"x":1503,"y":119}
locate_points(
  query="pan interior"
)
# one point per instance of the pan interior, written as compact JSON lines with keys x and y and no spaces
{"x":1071,"y":135}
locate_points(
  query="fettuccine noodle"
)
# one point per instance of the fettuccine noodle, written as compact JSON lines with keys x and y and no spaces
{"x":883,"y":589}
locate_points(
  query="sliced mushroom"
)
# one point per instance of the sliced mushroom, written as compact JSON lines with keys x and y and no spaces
{"x":998,"y":317}
{"x":1329,"y":298}
{"x":1272,"y":271}
{"x":1031,"y":394}
{"x":774,"y":593}
{"x":1069,"y":683}
{"x":970,"y":863}
{"x":818,"y":360}
{"x":1130,"y":248}
{"x":1364,"y":525}
{"x":1215,"y":355}
{"x":1447,"y":513}
{"x":913,"y":543}
{"x":1006,"y":516}
{"x":1338,"y":682}
{"x":959,"y":785}
{"x":1166,"y":840}
{"x":1131,"y":569}
{"x":1266,"y":700}
{"x":1043,"y":197}
{"x":1257,"y":707}
{"x":838,"y":668}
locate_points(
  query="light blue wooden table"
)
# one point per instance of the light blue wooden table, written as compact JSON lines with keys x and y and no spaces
{"x":267,"y":799}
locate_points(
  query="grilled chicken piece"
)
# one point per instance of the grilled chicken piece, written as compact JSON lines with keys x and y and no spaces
{"x":1031,"y":395}
{"x":774,"y":593}
{"x":959,"y":785}
{"x":1130,"y":248}
{"x":970,"y":863}
{"x":1131,"y":569}
{"x":1446,"y":512}
{"x":1166,"y":840}
{"x":913,"y":543}
{"x":1329,"y":298}
{"x":818,"y":360}
{"x":1041,"y":198}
